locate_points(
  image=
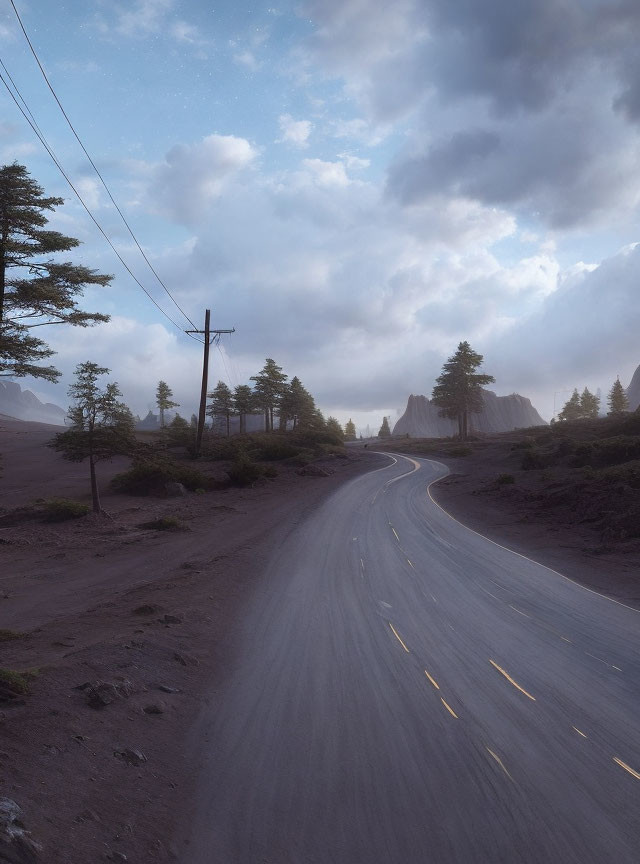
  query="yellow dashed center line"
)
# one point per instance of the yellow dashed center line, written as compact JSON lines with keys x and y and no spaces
{"x":449,"y":708}
{"x":396,"y":533}
{"x":500,"y":763}
{"x":575,"y":728}
{"x":395,"y":633}
{"x":511,"y":681}
{"x":626,"y":767}
{"x":433,"y":681}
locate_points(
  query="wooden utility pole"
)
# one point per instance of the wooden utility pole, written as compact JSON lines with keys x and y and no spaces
{"x":207,"y":333}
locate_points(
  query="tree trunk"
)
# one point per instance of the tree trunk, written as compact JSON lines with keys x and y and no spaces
{"x":162,"y":418}
{"x":266,"y":419}
{"x":228,"y":425}
{"x":465,"y":425}
{"x":242,"y":423}
{"x":295,"y":421}
{"x":95,"y":495}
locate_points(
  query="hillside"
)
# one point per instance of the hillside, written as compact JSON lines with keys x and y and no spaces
{"x":25,"y":405}
{"x":500,"y":414}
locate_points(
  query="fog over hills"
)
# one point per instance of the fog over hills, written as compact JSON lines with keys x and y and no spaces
{"x":633,"y":391}
{"x":24,"y":405}
{"x":499,"y":414}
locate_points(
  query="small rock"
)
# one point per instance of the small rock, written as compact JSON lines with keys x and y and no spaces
{"x":16,"y":844}
{"x":175,"y":490}
{"x":131,"y":757}
{"x":172,"y":619}
{"x":314,"y":471}
{"x":185,"y":659}
{"x":101,"y":693}
{"x":154,"y":708}
{"x":117,"y":856}
{"x":87,"y":816}
{"x":166,"y":689}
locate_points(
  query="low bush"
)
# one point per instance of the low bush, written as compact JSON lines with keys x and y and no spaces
{"x":459,"y":451}
{"x":61,"y":509}
{"x":14,"y":683}
{"x":505,"y":479}
{"x":165,"y":523}
{"x":10,"y":635}
{"x":243,"y":471}
{"x":533,"y":459}
{"x":150,"y":478}
{"x":608,"y":451}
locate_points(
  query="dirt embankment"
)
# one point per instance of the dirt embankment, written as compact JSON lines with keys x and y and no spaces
{"x":566,"y":496}
{"x":124,"y":629}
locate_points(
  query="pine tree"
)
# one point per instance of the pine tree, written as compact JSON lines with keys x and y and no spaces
{"x":297,"y":405}
{"x":221,"y":404}
{"x":102,"y":426}
{"x":333,"y":425}
{"x":35,"y":290}
{"x":163,"y":400}
{"x":350,"y":433}
{"x":385,"y":431}
{"x":458,"y":388}
{"x":589,"y":405}
{"x":269,"y":389}
{"x":243,"y":404}
{"x":617,"y":399}
{"x":572,"y":409}
{"x":182,"y":432}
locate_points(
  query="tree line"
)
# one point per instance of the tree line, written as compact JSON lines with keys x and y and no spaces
{"x":586,"y":405}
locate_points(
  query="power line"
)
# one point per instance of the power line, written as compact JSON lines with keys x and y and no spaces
{"x":27,"y":116}
{"x":95,"y":167}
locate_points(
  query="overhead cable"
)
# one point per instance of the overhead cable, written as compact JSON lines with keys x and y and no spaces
{"x":95,"y":167}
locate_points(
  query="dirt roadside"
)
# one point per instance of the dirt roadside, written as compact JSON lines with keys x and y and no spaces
{"x":129,"y":630}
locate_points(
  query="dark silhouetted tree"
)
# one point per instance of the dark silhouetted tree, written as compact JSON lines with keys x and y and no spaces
{"x":243,"y":404}
{"x":589,"y":405}
{"x":35,"y":290}
{"x":572,"y":409}
{"x":163,"y":400}
{"x":458,"y":388}
{"x":617,"y":399}
{"x":221,"y":405}
{"x":350,"y":433}
{"x":333,"y":425}
{"x":297,"y":406}
{"x":270,"y":386}
{"x":101,"y":426}
{"x":384,"y":431}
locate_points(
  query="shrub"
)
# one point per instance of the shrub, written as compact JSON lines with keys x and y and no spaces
{"x":15,"y":683}
{"x":165,"y":523}
{"x":243,"y":471}
{"x":61,"y":509}
{"x":505,"y":479}
{"x":533,"y":459}
{"x":10,"y":635}
{"x":609,"y":451}
{"x":459,"y":451}
{"x":150,"y":478}
{"x":525,"y":444}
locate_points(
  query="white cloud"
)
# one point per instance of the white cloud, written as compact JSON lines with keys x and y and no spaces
{"x":326,"y":174}
{"x":294,"y":132}
{"x":194,"y":175}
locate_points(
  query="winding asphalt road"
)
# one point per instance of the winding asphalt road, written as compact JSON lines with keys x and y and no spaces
{"x":409,"y":691}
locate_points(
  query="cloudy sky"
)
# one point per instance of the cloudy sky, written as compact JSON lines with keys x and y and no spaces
{"x":355,"y":186}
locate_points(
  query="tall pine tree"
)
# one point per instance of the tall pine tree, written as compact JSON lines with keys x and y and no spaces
{"x":458,"y":388}
{"x":617,"y":399}
{"x":270,"y":386}
{"x":35,"y":289}
{"x":164,"y":401}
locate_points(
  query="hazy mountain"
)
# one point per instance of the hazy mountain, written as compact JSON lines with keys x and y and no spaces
{"x":633,"y":391}
{"x":24,"y":405}
{"x":499,"y":414}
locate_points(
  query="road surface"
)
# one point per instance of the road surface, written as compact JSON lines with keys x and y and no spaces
{"x":408,"y":691}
